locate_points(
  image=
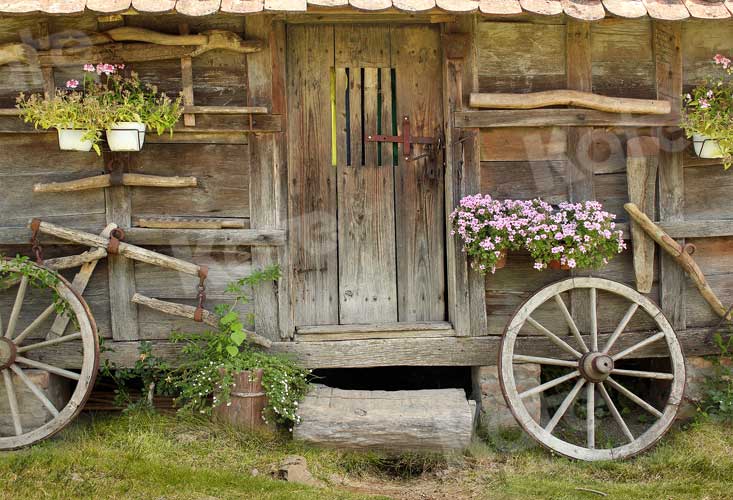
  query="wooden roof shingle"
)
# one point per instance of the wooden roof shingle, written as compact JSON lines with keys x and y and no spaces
{"x":588,"y":10}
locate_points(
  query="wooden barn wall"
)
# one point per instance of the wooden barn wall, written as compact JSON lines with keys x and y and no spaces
{"x":220,"y":78}
{"x":530,"y":162}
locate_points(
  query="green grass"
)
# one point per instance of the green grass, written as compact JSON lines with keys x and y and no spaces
{"x":165,"y":457}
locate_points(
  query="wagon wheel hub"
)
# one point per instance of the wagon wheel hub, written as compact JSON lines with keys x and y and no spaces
{"x":8,"y":352}
{"x":595,"y":366}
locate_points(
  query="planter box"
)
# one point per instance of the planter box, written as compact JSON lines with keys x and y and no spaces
{"x":126,"y":136}
{"x":72,"y":140}
{"x":706,"y":147}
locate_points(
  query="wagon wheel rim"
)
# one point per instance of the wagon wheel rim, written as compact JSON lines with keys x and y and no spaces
{"x":590,"y":361}
{"x":19,"y":352}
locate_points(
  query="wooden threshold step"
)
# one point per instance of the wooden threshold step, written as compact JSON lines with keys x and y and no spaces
{"x":374,"y":331}
{"x":421,"y":420}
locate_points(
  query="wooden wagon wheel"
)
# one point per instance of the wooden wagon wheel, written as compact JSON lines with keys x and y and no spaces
{"x":590,"y":367}
{"x":15,"y":345}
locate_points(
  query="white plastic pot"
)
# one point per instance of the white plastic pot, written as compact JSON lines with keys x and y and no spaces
{"x":706,"y":147}
{"x":126,"y":136}
{"x":73,"y":140}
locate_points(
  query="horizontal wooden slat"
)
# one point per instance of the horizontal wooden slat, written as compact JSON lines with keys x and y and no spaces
{"x":558,"y":118}
{"x":568,"y":98}
{"x":374,"y":331}
{"x":452,"y":351}
{"x":180,"y":237}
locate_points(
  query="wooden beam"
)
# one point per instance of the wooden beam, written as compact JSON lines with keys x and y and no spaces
{"x":268,"y":175}
{"x":120,"y":270}
{"x":667,"y":39}
{"x":573,"y":98}
{"x":438,"y":351}
{"x":642,"y":161}
{"x":559,"y":118}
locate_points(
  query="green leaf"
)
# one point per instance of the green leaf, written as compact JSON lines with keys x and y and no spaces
{"x":229,"y":318}
{"x":233,"y":351}
{"x":238,"y":336}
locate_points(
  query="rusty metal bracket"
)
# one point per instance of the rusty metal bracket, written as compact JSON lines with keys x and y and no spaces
{"x":198,"y":314}
{"x":115,"y":237}
{"x":35,"y":244}
{"x":406,"y":140}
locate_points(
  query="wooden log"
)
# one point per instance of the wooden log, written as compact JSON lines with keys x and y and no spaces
{"x":680,"y":255}
{"x":104,"y":181}
{"x":426,"y":420}
{"x":185,"y":311}
{"x":641,"y":173}
{"x":558,"y":118}
{"x":189,"y":120}
{"x":125,"y":249}
{"x":73,"y":261}
{"x":126,"y":34}
{"x":570,"y":98}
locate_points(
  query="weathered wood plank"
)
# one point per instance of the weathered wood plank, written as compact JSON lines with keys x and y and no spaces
{"x":312,"y":184}
{"x":267,"y":206}
{"x":366,"y":207}
{"x":668,"y":58}
{"x":453,"y":351}
{"x":120,"y":269}
{"x":419,"y":184}
{"x":580,"y":168}
{"x":523,"y":144}
{"x":575,"y":98}
{"x":641,"y":173}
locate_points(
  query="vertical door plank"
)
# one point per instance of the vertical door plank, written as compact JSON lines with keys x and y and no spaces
{"x":367,"y":267}
{"x":668,"y":60}
{"x":419,"y":198}
{"x":311,"y":177}
{"x":580,"y":167}
{"x":264,"y":77}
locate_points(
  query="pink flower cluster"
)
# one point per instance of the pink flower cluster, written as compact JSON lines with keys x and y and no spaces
{"x":577,"y":235}
{"x":722,"y":61}
{"x":103,"y":68}
{"x":72,"y":84}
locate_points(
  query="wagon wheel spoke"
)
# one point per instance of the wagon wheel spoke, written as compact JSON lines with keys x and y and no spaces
{"x":35,"y":324}
{"x":47,"y":343}
{"x":550,"y":384}
{"x":520,"y":358}
{"x":637,"y":346}
{"x":590,"y":417}
{"x":643,"y":374}
{"x":593,"y":319}
{"x":633,"y":397}
{"x":571,"y":323}
{"x":620,"y":327}
{"x":35,"y":390}
{"x":17,"y":306}
{"x":12,"y":403}
{"x":563,"y":408}
{"x":554,"y":338}
{"x":49,"y":368}
{"x":614,"y":411}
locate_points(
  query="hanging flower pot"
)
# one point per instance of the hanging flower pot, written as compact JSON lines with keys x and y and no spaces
{"x":73,"y":140}
{"x":126,"y":136}
{"x":705,"y":147}
{"x":501,"y":263}
{"x":556,"y":265}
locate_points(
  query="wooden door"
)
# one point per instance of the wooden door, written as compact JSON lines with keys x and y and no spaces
{"x":367,"y":226}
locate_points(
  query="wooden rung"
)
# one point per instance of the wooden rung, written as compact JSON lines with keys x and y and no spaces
{"x":125,"y":249}
{"x":570,"y":98}
{"x":105,"y":181}
{"x":185,"y":311}
{"x":225,"y":110}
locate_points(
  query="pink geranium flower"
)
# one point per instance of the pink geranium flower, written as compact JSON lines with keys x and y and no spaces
{"x":72,"y":84}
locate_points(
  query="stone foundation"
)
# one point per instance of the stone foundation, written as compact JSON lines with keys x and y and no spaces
{"x":32,"y":412}
{"x":495,"y":414}
{"x":699,"y":369}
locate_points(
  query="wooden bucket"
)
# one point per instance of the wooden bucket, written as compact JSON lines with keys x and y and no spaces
{"x":248,"y":400}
